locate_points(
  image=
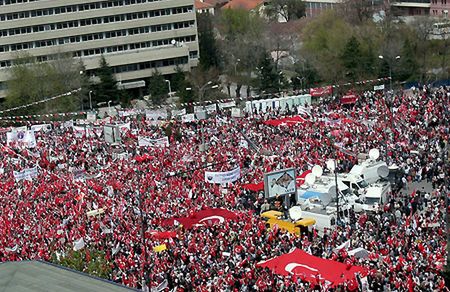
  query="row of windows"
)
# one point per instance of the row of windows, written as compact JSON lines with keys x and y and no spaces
{"x":71,"y":9}
{"x":96,"y":36}
{"x":93,"y":21}
{"x":150,"y":65}
{"x":134,"y":46}
{"x":8,"y":2}
{"x":113,"y":49}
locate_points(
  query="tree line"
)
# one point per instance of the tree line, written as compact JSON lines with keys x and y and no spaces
{"x":238,"y":48}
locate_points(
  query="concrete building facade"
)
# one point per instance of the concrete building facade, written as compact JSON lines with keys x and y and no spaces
{"x":135,"y":36}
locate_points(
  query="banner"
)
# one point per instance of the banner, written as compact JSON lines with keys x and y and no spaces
{"x":27,"y":173}
{"x":91,"y":116}
{"x":178,"y":112}
{"x":80,"y":131}
{"x":211,"y":108}
{"x":320,"y":91}
{"x":25,"y":138}
{"x":223,"y":177}
{"x":227,"y":104}
{"x":236,"y":113}
{"x":349,"y":99}
{"x":378,"y":87}
{"x":155,"y":114}
{"x":188,"y":118}
{"x":41,"y":127}
{"x":149,"y":142}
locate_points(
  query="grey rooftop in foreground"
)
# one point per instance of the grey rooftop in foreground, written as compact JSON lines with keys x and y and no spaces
{"x":36,"y":276}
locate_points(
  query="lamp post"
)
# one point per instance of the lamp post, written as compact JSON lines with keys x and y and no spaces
{"x":381,"y":57}
{"x":201,"y":92}
{"x":235,"y":66}
{"x":109,"y":106}
{"x":332,"y":166}
{"x":90,"y":99}
{"x":170,"y":88}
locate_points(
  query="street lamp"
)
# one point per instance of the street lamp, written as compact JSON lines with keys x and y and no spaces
{"x":235,"y":66}
{"x":201,"y":92}
{"x":331,"y":165}
{"x":109,"y":106}
{"x":170,"y":88}
{"x":390,"y":70}
{"x":90,"y":99}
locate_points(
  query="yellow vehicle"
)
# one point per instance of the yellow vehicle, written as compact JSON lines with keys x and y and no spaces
{"x":299,"y":227}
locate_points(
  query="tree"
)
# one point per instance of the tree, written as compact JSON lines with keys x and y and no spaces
{"x":287,"y":10}
{"x":408,"y":69}
{"x":209,"y":55}
{"x":325,"y":38}
{"x":33,"y":81}
{"x":106,"y":89}
{"x":241,"y":45}
{"x":269,"y":78}
{"x":351,"y":58}
{"x":158,"y":88}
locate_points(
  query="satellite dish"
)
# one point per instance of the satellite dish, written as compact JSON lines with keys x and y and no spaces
{"x":295,"y":213}
{"x":332,"y":191}
{"x":146,"y":97}
{"x":325,"y":198}
{"x":374,"y":153}
{"x":173,"y":42}
{"x":317,"y":170}
{"x":383,"y":171}
{"x":310,"y":179}
{"x":330,"y":164}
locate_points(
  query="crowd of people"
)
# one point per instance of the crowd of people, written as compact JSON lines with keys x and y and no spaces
{"x":42,"y":218}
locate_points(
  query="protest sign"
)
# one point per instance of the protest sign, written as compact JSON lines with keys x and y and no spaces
{"x":223,"y":177}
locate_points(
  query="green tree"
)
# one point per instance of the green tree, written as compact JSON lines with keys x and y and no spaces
{"x":408,"y":67}
{"x":106,"y":89}
{"x":287,"y":10}
{"x":33,"y":81}
{"x":325,"y":39}
{"x":269,"y":78}
{"x":209,"y":55}
{"x":158,"y":88}
{"x":351,"y":58}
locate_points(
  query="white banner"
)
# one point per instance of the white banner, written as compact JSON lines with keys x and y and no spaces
{"x":236,"y":112}
{"x":211,"y":108}
{"x":27,"y":173}
{"x":127,"y":113}
{"x":378,"y":87}
{"x":91,"y":116}
{"x":149,"y":142}
{"x":25,"y":138}
{"x":80,"y":131}
{"x":155,"y":114}
{"x":188,"y":118}
{"x":227,"y":104}
{"x":41,"y":127}
{"x":223,"y":177}
{"x":178,"y":112}
{"x":208,"y":108}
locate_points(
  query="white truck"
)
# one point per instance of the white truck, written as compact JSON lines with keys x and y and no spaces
{"x":371,"y":171}
{"x":376,"y":196}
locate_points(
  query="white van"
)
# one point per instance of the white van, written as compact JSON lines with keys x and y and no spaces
{"x":368,"y":170}
{"x":324,"y":217}
{"x":375,"y":197}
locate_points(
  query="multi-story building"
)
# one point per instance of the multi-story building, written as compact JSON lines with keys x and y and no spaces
{"x":135,"y":36}
{"x":440,"y":8}
{"x":411,"y":7}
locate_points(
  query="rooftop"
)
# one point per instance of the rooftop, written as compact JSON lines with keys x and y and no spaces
{"x":37,"y":276}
